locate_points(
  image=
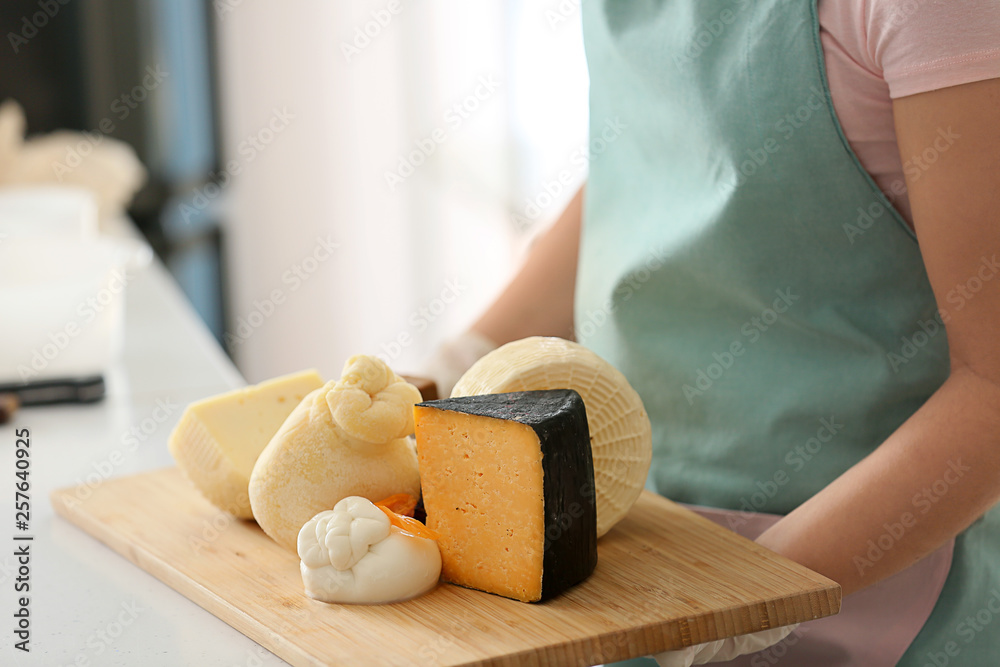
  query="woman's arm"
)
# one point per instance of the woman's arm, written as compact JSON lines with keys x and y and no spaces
{"x":539,"y":299}
{"x":940,"y":470}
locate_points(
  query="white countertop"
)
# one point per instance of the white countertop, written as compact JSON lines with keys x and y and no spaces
{"x":90,"y":606}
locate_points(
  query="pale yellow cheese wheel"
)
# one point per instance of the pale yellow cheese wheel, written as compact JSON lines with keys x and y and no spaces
{"x":620,"y":433}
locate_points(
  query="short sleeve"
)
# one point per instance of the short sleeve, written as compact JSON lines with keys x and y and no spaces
{"x":923,"y":45}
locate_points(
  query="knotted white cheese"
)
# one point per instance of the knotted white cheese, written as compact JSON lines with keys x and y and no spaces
{"x":347,"y":438}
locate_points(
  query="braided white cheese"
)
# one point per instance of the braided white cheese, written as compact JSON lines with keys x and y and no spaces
{"x":353,"y":554}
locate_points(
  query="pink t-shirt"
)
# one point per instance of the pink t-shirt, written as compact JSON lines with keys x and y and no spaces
{"x":877,"y":50}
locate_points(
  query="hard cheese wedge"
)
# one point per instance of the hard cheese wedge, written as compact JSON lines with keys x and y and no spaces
{"x":508,"y":484}
{"x":218,"y":439}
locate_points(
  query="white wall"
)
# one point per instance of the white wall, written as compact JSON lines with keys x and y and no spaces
{"x":402,"y":248}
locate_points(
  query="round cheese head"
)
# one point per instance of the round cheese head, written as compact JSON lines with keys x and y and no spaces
{"x":620,"y":432}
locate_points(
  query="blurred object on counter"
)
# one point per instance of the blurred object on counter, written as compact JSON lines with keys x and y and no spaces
{"x":64,"y":299}
{"x":426,"y":386}
{"x":139,"y":72}
{"x":44,"y":210}
{"x":9,"y":403}
{"x":50,"y":392}
{"x":111,"y":169}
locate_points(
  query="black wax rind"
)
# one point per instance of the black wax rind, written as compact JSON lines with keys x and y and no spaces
{"x":559,"y":418}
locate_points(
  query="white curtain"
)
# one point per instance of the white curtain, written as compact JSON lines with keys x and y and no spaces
{"x":386,"y":164}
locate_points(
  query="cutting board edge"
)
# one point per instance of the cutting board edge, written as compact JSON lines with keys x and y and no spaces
{"x":822,"y":601}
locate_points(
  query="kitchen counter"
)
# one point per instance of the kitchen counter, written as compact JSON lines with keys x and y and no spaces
{"x":88,"y":605}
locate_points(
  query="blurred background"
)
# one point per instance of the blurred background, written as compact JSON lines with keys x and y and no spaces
{"x":323,"y":178}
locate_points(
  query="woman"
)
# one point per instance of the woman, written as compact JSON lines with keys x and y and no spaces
{"x":749,"y":258}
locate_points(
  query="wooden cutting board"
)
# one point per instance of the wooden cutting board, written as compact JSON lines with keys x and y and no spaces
{"x":665,"y":578}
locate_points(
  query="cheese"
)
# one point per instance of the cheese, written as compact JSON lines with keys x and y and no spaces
{"x":508,"y":484}
{"x":347,"y":438}
{"x":620,"y":431}
{"x":353,"y":554}
{"x":218,"y":439}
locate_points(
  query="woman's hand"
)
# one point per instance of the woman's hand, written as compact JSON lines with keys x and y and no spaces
{"x":723,"y":650}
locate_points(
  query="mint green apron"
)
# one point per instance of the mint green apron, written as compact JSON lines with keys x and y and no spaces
{"x":745,"y":273}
